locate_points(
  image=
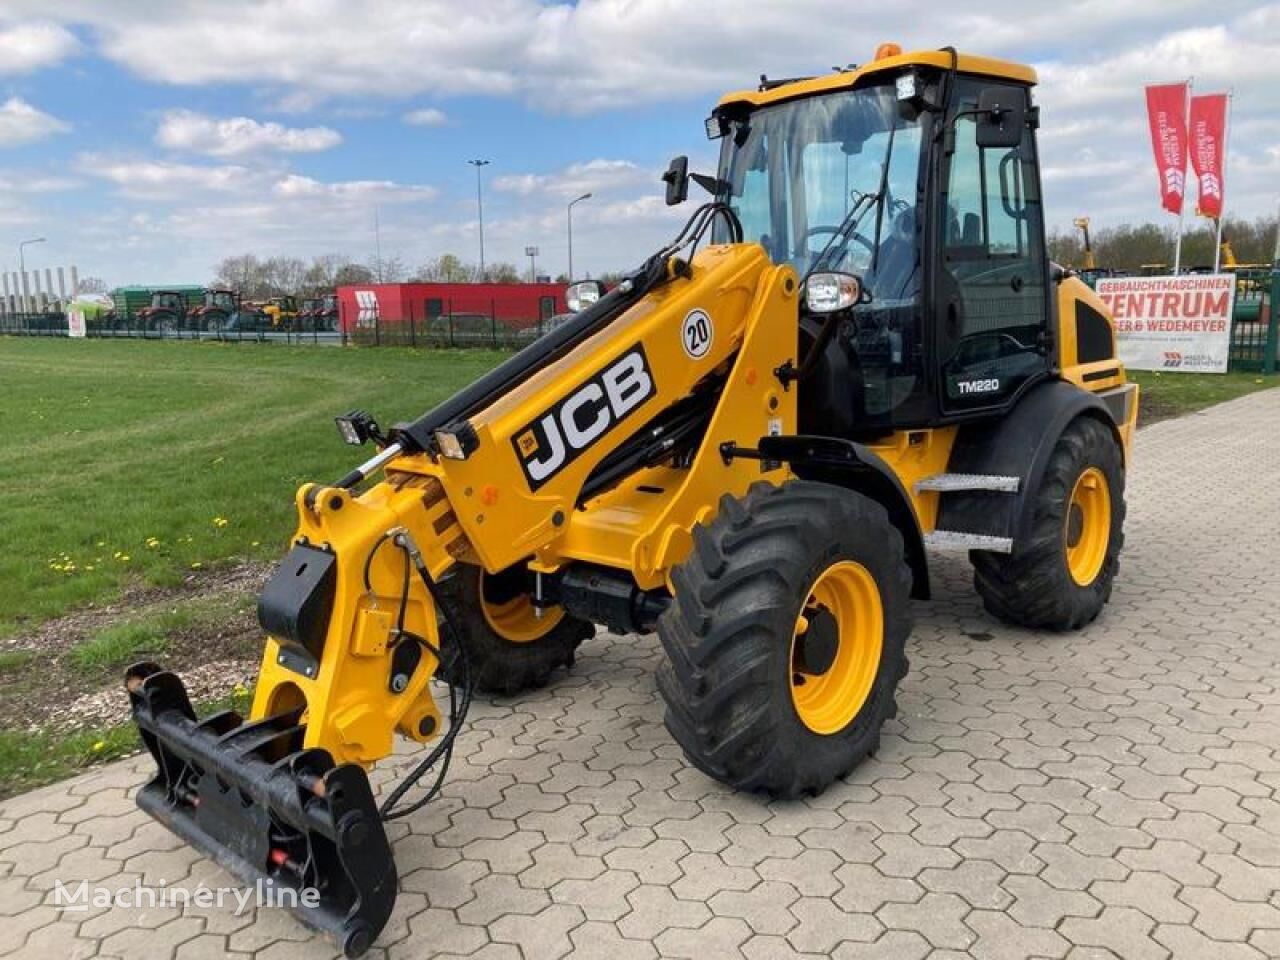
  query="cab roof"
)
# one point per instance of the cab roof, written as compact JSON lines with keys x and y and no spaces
{"x":966,"y":63}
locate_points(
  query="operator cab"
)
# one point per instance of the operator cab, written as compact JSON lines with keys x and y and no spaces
{"x":922,"y":182}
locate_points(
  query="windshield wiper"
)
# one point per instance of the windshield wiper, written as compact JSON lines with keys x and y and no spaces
{"x":862,"y":206}
{"x":848,"y":226}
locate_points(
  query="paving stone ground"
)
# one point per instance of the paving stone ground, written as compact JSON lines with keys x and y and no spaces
{"x":1104,"y":794}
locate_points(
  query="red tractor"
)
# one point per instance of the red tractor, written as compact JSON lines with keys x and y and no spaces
{"x":167,"y":313}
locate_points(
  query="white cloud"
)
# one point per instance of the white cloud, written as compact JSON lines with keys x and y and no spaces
{"x":26,"y":181}
{"x":623,"y":55}
{"x":29,"y":46}
{"x":426,"y":117}
{"x":237,"y":136}
{"x":369,"y":191}
{"x":576,"y":179}
{"x":22,"y":123}
{"x":159,"y":179}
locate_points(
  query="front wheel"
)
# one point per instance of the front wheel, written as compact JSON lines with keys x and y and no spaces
{"x":1060,"y":576}
{"x":786,"y":640}
{"x":509,"y":648}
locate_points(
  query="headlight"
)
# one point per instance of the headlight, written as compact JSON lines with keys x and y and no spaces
{"x":449,"y":445}
{"x":581,"y":295}
{"x":457,"y":441}
{"x":829,"y":292}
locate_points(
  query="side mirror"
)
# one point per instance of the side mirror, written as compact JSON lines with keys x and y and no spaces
{"x":677,"y":180}
{"x":1002,"y":113}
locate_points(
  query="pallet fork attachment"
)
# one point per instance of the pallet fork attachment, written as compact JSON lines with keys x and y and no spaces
{"x":249,"y":796}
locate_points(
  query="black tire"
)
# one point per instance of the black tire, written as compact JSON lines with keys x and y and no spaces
{"x":497,"y":664}
{"x":1033,"y":586}
{"x":727,"y":679}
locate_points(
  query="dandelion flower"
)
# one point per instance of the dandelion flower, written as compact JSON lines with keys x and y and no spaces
{"x":219,"y":521}
{"x":196,"y":565}
{"x":99,"y":746}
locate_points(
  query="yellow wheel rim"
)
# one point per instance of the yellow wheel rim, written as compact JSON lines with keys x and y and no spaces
{"x":1087,"y":526}
{"x":517,"y":620}
{"x":844,"y":598}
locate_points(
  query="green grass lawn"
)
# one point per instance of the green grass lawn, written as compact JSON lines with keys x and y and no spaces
{"x":129,"y":461}
{"x":126,"y":462}
{"x":1167,"y":395}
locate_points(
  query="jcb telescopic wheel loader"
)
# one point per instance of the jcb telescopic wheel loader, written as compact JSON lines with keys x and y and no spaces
{"x":855,"y":351}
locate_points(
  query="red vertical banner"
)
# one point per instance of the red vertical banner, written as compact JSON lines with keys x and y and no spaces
{"x":1208,"y":131}
{"x":1167,"y":115}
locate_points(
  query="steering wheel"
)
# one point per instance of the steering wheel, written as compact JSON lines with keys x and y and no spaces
{"x":837,"y":253}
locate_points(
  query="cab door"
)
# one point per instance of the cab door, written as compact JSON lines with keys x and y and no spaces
{"x":992,"y":303}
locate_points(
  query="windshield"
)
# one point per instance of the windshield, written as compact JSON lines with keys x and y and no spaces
{"x":796,"y":170}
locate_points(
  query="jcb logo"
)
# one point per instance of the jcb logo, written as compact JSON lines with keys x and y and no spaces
{"x":556,"y":438}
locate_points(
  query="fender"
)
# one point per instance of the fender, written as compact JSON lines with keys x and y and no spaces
{"x":848,"y":464}
{"x":1018,"y":445}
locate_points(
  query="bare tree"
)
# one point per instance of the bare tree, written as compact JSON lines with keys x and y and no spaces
{"x":502,"y":273}
{"x":351,"y":273}
{"x":387,"y":269}
{"x":244,"y":273}
{"x":446,"y":268}
{"x":284,"y":275}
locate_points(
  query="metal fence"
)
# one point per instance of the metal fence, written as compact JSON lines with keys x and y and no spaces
{"x":454,"y":325}
{"x":128,"y":326}
{"x":365,"y":328}
{"x":1255,"y":327}
{"x":1254,"y":322}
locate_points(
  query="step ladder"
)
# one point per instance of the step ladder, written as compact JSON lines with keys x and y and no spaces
{"x":954,"y":482}
{"x":956,"y":540}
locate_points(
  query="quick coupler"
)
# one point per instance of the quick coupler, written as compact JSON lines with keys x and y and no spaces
{"x":252,"y":798}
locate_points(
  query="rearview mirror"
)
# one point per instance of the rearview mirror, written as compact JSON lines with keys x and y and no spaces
{"x":1002,"y":113}
{"x":677,"y":180}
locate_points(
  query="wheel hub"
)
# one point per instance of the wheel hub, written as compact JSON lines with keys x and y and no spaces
{"x":816,"y":648}
{"x":1086,"y":532}
{"x":836,"y":647}
{"x":1075,"y":524}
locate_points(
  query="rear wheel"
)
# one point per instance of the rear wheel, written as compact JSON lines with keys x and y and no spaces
{"x":1060,"y":577}
{"x":785,"y":643}
{"x":509,"y":647}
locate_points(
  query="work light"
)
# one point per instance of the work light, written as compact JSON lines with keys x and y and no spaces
{"x":356,"y":427}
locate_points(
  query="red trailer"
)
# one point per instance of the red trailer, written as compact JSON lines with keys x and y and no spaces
{"x":463,"y":310}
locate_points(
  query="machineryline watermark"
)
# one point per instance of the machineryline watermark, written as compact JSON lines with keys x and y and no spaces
{"x":81,"y":897}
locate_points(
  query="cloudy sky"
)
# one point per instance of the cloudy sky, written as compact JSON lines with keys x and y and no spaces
{"x":148,"y":138}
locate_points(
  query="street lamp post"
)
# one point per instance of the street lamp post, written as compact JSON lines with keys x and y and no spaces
{"x":585,"y":196}
{"x":22,"y":269}
{"x":532,"y":254}
{"x":480,"y":210}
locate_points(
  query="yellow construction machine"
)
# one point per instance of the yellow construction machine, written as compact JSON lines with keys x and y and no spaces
{"x":1089,"y":260}
{"x":855,"y":352}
